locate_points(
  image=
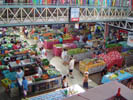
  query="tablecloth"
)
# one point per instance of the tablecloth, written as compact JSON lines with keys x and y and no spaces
{"x":49,"y":44}
{"x":112,"y":58}
{"x":58,"y":95}
{"x":121,"y":77}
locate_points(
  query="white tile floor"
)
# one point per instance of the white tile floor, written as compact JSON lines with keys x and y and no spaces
{"x":78,"y":77}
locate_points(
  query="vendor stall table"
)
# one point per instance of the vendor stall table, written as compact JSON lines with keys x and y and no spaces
{"x":90,"y":66}
{"x":48,"y":44}
{"x":44,"y":85}
{"x":60,"y":94}
{"x":82,"y":56}
{"x":23,"y":63}
{"x":58,"y":50}
{"x":116,"y":76}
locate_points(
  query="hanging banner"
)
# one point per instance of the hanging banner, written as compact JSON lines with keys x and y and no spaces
{"x":130,"y":39}
{"x":74,"y":14}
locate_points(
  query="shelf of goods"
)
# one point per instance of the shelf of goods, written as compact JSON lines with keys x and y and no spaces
{"x":119,"y":75}
{"x":58,"y":48}
{"x":60,"y":94}
{"x":79,"y":54}
{"x":112,"y":58}
{"x":91,"y":65}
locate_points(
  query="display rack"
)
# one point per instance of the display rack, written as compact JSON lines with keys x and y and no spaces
{"x":44,"y":85}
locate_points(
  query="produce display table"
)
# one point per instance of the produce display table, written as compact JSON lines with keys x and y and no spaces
{"x":91,"y":65}
{"x":14,"y":65}
{"x":57,"y":50}
{"x":112,"y":58}
{"x":60,"y":94}
{"x":48,"y":44}
{"x":116,"y":76}
{"x":81,"y":56}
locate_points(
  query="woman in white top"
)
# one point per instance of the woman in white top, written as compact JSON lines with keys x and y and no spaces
{"x":64,"y":82}
{"x":39,"y":71}
{"x":43,"y":53}
{"x":71,"y":66}
{"x":64,"y":56}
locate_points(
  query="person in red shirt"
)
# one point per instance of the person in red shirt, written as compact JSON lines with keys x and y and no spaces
{"x":15,"y":46}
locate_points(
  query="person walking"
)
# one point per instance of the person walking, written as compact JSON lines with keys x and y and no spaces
{"x":25,"y":86}
{"x":71,"y":66}
{"x":64,"y":56}
{"x":85,"y":80}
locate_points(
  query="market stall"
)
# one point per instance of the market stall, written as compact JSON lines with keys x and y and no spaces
{"x":60,"y":94}
{"x":91,"y":65}
{"x":79,"y":54}
{"x":48,"y":44}
{"x":119,"y":75}
{"x":58,"y":48}
{"x":112,"y":58}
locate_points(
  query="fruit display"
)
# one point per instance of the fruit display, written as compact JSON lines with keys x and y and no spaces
{"x":67,"y":36}
{"x":122,"y":71}
{"x":112,"y":47}
{"x":91,"y":65}
{"x":113,"y":76}
{"x":4,"y":67}
{"x":53,"y":72}
{"x":76,"y":51}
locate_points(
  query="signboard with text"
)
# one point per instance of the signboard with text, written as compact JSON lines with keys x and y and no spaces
{"x":74,"y":14}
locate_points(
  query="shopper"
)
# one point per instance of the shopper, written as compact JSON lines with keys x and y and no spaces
{"x":19,"y":76}
{"x":81,"y":38}
{"x":3,"y":41}
{"x":71,"y":66}
{"x":25,"y":86}
{"x":130,"y":83}
{"x":64,"y":56}
{"x":60,"y":39}
{"x":39,"y":71}
{"x":43,"y":53}
{"x":15,"y":46}
{"x":26,"y":33}
{"x":64,"y":82}
{"x":85,"y":80}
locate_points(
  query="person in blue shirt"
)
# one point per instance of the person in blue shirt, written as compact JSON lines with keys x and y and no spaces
{"x":89,"y":36}
{"x":60,"y":40}
{"x":25,"y":86}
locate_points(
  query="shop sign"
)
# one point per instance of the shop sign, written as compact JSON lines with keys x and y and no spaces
{"x":74,"y":14}
{"x":123,"y":31}
{"x":130,"y":39}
